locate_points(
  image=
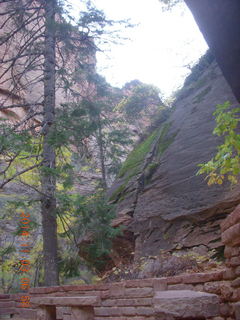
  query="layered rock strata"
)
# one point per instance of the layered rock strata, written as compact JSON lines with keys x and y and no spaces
{"x":171,"y":208}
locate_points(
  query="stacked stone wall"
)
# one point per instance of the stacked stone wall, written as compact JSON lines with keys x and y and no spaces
{"x":130,"y":299}
{"x":136,"y":299}
{"x":7,"y":305}
{"x":231,"y":238}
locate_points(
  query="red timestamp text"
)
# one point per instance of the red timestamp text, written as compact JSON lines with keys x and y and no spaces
{"x":25,"y":264}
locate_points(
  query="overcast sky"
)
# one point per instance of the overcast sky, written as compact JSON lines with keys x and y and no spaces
{"x":160,"y":47}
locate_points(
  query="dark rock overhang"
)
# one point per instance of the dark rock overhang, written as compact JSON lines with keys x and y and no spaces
{"x":219,"y":22}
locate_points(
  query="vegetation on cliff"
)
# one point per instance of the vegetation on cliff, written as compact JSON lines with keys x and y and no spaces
{"x":143,"y":161}
{"x":226,"y":162}
{"x":194,"y":80}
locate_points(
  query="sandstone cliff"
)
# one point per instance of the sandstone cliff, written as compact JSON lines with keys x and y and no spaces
{"x":158,"y":195}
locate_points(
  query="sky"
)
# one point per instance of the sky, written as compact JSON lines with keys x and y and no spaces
{"x":160,"y":48}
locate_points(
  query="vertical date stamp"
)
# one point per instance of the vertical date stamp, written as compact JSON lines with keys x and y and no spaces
{"x":24,"y":245}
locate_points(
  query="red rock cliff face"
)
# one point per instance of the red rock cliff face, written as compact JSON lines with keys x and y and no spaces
{"x":171,"y":207}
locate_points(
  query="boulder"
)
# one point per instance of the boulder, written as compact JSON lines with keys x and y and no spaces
{"x":186,"y":304}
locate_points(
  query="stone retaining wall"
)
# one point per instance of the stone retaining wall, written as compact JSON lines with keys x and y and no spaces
{"x":231,"y":238}
{"x":7,"y":305}
{"x":136,"y":299}
{"x":131,"y":299}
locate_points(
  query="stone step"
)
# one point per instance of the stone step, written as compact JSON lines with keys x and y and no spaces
{"x":26,"y":313}
{"x":4,"y":296}
{"x":7,"y":304}
{"x":7,"y":311}
{"x":185,"y":304}
{"x":66,"y":301}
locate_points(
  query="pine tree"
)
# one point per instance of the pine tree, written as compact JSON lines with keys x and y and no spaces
{"x":112,"y":134}
{"x":44,"y":52}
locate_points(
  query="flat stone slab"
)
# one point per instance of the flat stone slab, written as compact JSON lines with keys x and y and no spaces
{"x":186,"y":304}
{"x":6,"y":311}
{"x":66,"y":301}
{"x":237,"y":310}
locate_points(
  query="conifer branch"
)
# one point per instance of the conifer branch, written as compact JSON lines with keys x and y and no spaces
{"x":19,"y":174}
{"x":20,"y":105}
{"x":31,"y":187}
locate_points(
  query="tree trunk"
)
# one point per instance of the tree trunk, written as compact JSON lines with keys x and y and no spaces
{"x":48,"y":180}
{"x":101,"y":151}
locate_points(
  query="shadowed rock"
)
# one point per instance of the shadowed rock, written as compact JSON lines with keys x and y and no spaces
{"x":220,"y":26}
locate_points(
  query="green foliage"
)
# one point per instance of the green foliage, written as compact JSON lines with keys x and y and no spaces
{"x":29,"y":143}
{"x":194,"y":80}
{"x":141,"y":97}
{"x":73,"y":124}
{"x":149,"y":171}
{"x":226,"y":162}
{"x":198,"y":69}
{"x":163,"y":143}
{"x":157,"y":142}
{"x":136,"y":157}
{"x":112,"y":133}
{"x":10,"y":230}
{"x":95,"y":217}
{"x":116,"y":142}
{"x":69,"y":265}
{"x":11,"y":141}
{"x":89,"y":218}
{"x":20,"y":153}
{"x":116,"y":195}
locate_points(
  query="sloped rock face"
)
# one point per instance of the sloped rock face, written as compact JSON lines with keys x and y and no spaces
{"x":171,"y":207}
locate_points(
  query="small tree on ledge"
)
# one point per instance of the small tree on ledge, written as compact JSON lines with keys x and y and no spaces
{"x":226,"y":163}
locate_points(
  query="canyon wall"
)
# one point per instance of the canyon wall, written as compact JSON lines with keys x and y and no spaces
{"x":158,"y":195}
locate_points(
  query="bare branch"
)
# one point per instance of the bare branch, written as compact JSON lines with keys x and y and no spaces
{"x":20,"y":105}
{"x":31,"y":187}
{"x":23,"y":9}
{"x":9,"y":163}
{"x":22,"y":56}
{"x":23,"y":25}
{"x":26,"y":119}
{"x":15,"y":58}
{"x":19,"y":174}
{"x":69,"y":229}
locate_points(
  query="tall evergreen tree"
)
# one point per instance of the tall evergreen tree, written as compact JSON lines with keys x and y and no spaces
{"x":43,"y":52}
{"x":48,"y":181}
{"x":112,"y":134}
